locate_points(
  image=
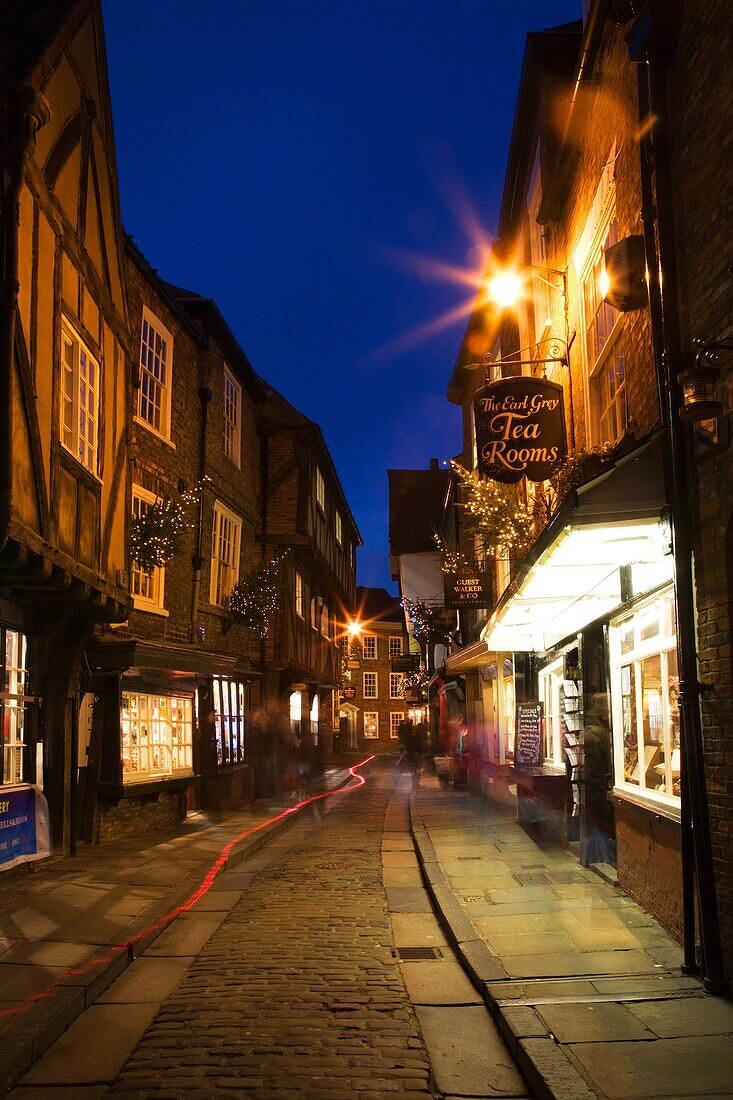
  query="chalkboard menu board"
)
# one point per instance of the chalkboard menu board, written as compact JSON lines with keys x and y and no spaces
{"x":528,"y":742}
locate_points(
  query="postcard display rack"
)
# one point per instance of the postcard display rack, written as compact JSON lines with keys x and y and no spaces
{"x":571,"y":719}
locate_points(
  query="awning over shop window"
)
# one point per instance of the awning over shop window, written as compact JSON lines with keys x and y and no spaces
{"x":574,"y":574}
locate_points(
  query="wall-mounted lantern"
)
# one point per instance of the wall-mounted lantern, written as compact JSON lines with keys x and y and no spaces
{"x":699,"y":381}
{"x":625,"y":274}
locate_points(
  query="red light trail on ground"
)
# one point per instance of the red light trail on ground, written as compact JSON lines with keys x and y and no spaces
{"x":207,"y":882}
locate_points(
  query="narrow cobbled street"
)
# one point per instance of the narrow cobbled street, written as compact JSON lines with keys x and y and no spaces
{"x":286,"y":979}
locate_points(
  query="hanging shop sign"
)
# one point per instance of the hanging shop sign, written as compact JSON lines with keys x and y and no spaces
{"x":467,"y":588}
{"x":520,"y":429}
{"x":348,"y":692}
{"x":528,"y":741}
{"x":408,"y":662}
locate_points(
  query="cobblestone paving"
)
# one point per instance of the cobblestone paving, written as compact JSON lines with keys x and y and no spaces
{"x":297,"y":994}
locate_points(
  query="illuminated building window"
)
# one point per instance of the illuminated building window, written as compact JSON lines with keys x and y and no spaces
{"x":369,"y":647}
{"x":146,"y":588}
{"x":604,"y":346}
{"x":154,"y":392}
{"x":396,"y":685}
{"x":157,"y":736}
{"x":339,"y":529}
{"x":80,"y":381}
{"x":299,"y":596}
{"x":371,"y":723}
{"x":395,"y":645}
{"x":370,"y":685}
{"x":232,"y":417}
{"x":12,"y":704}
{"x":395,"y":717}
{"x":225,"y":547}
{"x":320,"y":491}
{"x":644,"y":689}
{"x":229,"y":721}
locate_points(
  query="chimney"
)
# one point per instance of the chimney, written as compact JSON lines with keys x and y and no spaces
{"x":434,"y":464}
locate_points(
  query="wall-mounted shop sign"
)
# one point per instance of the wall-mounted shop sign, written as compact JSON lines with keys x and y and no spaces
{"x":467,"y":588}
{"x":520,"y":429}
{"x":528,"y":741}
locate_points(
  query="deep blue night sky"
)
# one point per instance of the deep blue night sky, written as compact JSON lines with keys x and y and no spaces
{"x":295,"y":160}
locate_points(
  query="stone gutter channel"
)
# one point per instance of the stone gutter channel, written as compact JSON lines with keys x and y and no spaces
{"x":548,"y":1071}
{"x":29,"y":1035}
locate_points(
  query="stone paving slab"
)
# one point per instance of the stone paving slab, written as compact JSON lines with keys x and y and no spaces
{"x":592,"y":973}
{"x":468,"y":1056}
{"x":148,"y":980}
{"x":666,"y":1068}
{"x":417,"y":930}
{"x":438,"y":982}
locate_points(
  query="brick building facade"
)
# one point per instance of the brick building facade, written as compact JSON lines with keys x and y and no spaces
{"x":595,"y":622}
{"x":374,"y":702}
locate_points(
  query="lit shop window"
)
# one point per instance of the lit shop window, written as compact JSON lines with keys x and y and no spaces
{"x":395,"y":645}
{"x":154,"y":393}
{"x":157,"y":735}
{"x":395,"y":717}
{"x":369,"y":647}
{"x":79,"y":399}
{"x":229,"y":721}
{"x":146,"y":588}
{"x":12,"y":704}
{"x":370,"y":685}
{"x":371,"y":723}
{"x":232,"y":417}
{"x":396,"y":685}
{"x":226,"y":542}
{"x":644,"y":687}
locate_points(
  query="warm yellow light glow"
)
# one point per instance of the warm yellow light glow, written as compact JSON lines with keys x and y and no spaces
{"x":505,"y":288}
{"x":604,"y":283}
{"x":354,"y":628}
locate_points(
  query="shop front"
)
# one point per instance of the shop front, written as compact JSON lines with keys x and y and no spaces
{"x":169,"y":733}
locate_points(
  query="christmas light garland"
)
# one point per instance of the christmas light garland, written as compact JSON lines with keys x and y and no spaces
{"x":255,"y":600}
{"x":506,"y":524}
{"x":428,"y":624}
{"x":156,"y":532}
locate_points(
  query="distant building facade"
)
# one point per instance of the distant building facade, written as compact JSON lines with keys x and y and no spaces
{"x":375,"y":689}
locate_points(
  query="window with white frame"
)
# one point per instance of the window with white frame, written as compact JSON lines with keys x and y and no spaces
{"x":320,"y":490}
{"x":395,"y":718}
{"x":396,"y":685}
{"x":80,"y":382}
{"x":369,"y":647}
{"x":339,"y":528}
{"x":12,"y":703}
{"x":324,"y":619}
{"x":147,"y":589}
{"x":315,"y":618}
{"x":550,"y":690}
{"x":225,"y":548}
{"x":371,"y":724}
{"x":299,"y":596}
{"x":605,"y":351}
{"x":395,"y":645}
{"x":157,"y":736}
{"x":369,"y":690}
{"x":229,"y":721}
{"x":644,"y":692}
{"x":232,"y":417}
{"x":156,"y":358}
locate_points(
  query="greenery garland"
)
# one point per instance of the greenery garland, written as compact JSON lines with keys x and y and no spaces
{"x":155,"y":534}
{"x":255,"y":599}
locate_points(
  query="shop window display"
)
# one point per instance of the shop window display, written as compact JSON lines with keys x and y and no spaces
{"x":13,"y":704}
{"x":645,"y":681}
{"x":229,"y":721}
{"x":157,"y":736}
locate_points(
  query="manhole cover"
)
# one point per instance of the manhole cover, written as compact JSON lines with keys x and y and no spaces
{"x":566,"y":878}
{"x":532,"y":878}
{"x":414,"y":954}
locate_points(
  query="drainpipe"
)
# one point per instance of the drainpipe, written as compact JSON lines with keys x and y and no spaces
{"x":22,"y":113}
{"x":648,"y":48}
{"x":197,"y":561}
{"x":265,"y":499}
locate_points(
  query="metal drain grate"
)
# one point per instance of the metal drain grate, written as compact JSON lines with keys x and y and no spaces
{"x":415,"y":954}
{"x":464,"y":859}
{"x":469,"y":898}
